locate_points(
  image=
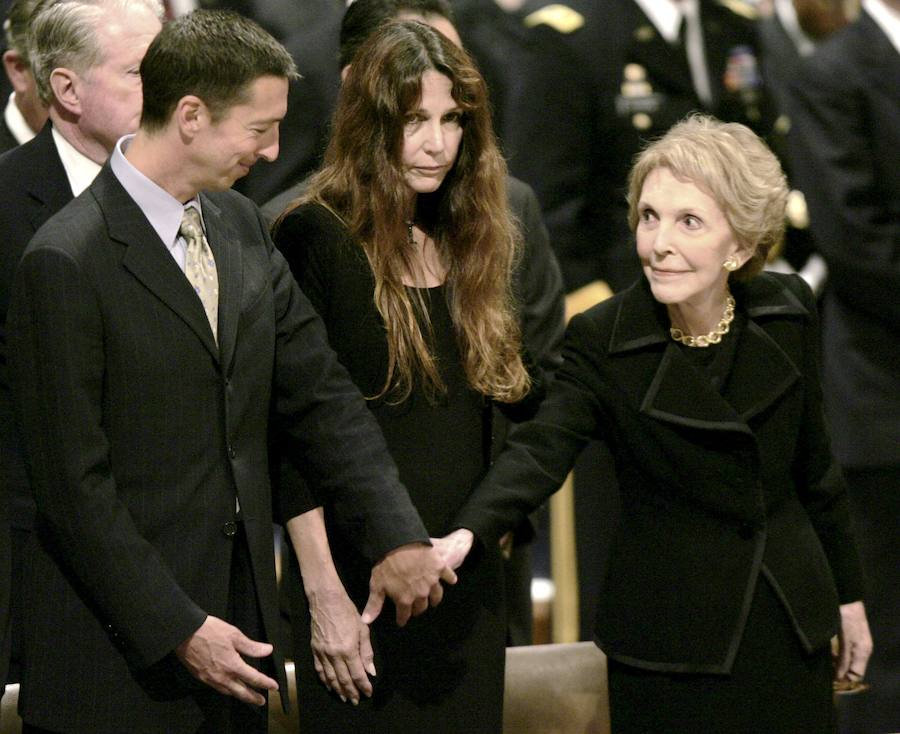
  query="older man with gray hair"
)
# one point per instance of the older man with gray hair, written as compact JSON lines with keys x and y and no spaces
{"x":85,"y":57}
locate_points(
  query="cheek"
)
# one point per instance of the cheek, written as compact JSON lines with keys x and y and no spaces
{"x":410,"y":148}
{"x":643,"y":243}
{"x":453,"y":141}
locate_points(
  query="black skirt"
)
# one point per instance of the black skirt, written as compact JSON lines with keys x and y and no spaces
{"x":774,"y":686}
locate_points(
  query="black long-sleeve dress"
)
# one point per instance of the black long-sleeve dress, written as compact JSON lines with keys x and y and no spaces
{"x":443,"y":672}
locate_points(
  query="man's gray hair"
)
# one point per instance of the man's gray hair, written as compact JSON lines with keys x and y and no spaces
{"x":64,"y":35}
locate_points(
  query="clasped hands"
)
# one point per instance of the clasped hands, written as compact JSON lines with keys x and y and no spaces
{"x":411,"y":576}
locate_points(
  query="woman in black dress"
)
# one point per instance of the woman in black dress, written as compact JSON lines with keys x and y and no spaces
{"x":733,"y":563}
{"x":404,"y":244}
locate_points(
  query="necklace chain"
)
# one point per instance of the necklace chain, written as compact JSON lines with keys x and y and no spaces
{"x":713,"y":337}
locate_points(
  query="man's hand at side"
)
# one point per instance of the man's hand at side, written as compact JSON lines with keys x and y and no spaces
{"x":213,"y":655}
{"x":411,"y":576}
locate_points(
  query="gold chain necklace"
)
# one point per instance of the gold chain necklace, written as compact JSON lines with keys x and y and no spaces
{"x":713,"y":337}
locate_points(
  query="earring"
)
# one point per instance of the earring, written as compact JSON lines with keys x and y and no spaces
{"x":731,"y":264}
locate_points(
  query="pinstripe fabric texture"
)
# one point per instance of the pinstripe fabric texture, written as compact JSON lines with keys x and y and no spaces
{"x":140,"y":431}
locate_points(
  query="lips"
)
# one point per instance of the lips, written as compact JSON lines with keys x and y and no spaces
{"x":429,"y":170}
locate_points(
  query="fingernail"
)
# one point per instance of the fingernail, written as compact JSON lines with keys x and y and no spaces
{"x":343,"y":697}
{"x":355,"y":701}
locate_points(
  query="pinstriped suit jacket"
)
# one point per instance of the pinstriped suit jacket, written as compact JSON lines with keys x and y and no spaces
{"x":140,"y":430}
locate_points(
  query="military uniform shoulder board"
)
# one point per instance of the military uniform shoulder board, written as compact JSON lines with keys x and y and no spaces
{"x":559,"y":17}
{"x":744,"y":8}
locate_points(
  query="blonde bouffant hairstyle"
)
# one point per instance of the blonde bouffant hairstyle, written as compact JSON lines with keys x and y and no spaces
{"x":729,"y":162}
{"x":362,"y":182}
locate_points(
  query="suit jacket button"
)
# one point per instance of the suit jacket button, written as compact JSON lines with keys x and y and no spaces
{"x":229,"y":528}
{"x":231,"y":452}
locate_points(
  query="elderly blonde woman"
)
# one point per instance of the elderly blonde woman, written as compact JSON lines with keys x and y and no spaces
{"x":733,"y":564}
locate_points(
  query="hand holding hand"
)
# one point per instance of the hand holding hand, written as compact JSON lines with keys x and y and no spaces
{"x":411,"y":576}
{"x":341,"y":647}
{"x":454,"y":547}
{"x":213,"y":655}
{"x":855,"y":643}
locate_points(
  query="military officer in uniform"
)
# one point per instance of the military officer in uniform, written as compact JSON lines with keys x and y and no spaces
{"x":607,"y":77}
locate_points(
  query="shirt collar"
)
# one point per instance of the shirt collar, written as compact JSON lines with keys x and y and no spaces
{"x":666,"y":15}
{"x":163,"y":211}
{"x":80,"y":170}
{"x":15,"y":121}
{"x":887,"y":19}
{"x":787,"y":15}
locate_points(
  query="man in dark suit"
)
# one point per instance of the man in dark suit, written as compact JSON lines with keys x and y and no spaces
{"x":158,"y":343}
{"x":25,"y":113}
{"x":847,"y":112}
{"x":85,"y":56}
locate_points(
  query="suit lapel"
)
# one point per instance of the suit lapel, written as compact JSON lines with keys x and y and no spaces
{"x":47,"y":184}
{"x":226,"y":246}
{"x":681,"y":394}
{"x":761,"y":372}
{"x":147,"y":258}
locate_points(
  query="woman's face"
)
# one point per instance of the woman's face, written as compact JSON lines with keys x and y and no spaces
{"x":431,"y":135}
{"x":683,"y":240}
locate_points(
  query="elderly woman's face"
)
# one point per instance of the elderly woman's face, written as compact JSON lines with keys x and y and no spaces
{"x":431,"y":135}
{"x":683,"y":240}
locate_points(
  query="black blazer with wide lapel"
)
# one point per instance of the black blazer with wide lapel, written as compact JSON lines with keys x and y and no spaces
{"x":141,"y":431}
{"x":716,"y":488}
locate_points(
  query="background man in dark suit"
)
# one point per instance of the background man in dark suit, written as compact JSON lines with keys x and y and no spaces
{"x":847,"y":111}
{"x":25,"y":113}
{"x":308,"y":29}
{"x":85,"y":59}
{"x":312,"y":40}
{"x":147,"y":405}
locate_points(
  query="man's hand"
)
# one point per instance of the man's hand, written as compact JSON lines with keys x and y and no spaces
{"x":454,"y":547}
{"x":411,"y":576}
{"x":342,"y":651}
{"x":213,"y":655}
{"x":854,"y":643}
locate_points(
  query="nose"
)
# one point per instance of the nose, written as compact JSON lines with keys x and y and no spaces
{"x":268,"y":150}
{"x":434,"y":139}
{"x":662,"y":240}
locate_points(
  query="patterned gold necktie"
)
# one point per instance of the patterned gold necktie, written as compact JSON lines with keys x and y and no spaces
{"x":200,"y":265}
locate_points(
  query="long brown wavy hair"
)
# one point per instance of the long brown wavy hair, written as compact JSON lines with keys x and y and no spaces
{"x":362,"y":182}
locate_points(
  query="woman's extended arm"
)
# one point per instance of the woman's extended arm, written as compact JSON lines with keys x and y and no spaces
{"x":341,"y":648}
